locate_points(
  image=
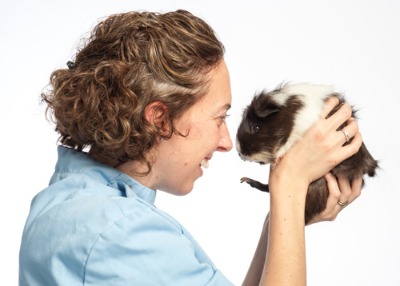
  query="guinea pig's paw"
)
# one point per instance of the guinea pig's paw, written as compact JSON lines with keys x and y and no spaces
{"x":255,"y":184}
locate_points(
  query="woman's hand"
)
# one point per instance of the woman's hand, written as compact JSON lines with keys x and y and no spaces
{"x":341,"y":193}
{"x":322,"y":147}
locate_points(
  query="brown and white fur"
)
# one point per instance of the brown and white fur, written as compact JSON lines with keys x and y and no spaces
{"x":275,"y":120}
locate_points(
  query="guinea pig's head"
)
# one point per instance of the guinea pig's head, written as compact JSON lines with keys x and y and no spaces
{"x":266,"y":126}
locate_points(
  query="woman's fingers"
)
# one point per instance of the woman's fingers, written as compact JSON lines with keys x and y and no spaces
{"x":345,"y":193}
{"x":331,"y":209}
{"x":349,"y":131}
{"x":329,"y":127}
{"x":351,"y":148}
{"x":349,"y":191}
{"x":334,"y":196}
{"x":342,"y":192}
{"x":348,"y":140}
{"x":329,"y":105}
{"x":343,"y":114}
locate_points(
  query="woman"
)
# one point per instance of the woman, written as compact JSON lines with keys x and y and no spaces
{"x":142,"y":108}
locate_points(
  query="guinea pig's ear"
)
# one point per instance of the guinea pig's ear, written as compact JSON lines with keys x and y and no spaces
{"x":265,"y":112}
{"x":264,"y":105}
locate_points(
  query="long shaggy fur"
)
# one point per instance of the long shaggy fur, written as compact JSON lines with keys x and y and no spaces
{"x":275,"y":120}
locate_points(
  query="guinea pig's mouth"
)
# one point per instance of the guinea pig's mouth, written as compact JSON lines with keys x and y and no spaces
{"x":257,"y":161}
{"x":250,"y":159}
{"x":255,"y":158}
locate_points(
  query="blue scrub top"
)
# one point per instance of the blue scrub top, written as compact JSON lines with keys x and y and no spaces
{"x":95,"y":225}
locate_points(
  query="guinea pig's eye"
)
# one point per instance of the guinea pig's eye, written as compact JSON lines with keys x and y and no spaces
{"x":254,"y":128}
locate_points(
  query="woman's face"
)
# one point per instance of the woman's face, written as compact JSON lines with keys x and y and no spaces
{"x":179,"y":159}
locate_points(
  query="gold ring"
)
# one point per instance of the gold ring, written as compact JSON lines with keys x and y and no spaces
{"x":346,"y":135}
{"x":342,"y":204}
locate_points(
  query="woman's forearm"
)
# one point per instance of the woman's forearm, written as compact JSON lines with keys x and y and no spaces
{"x":285,"y":257}
{"x":280,"y":257}
{"x":253,"y":276}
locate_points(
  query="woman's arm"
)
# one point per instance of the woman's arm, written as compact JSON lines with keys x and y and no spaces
{"x":285,"y":256}
{"x":340,"y":189}
{"x":253,"y":276}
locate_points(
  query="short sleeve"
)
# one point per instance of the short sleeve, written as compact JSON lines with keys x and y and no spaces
{"x":148,"y":248}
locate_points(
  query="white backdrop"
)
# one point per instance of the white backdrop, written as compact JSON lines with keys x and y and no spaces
{"x":354,"y":45}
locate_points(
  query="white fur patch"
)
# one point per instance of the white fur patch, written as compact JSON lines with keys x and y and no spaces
{"x":237,"y":145}
{"x":281,"y":98}
{"x":313,"y":97}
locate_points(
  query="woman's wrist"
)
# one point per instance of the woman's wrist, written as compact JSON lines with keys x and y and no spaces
{"x":284,"y":178}
{"x":288,"y":190}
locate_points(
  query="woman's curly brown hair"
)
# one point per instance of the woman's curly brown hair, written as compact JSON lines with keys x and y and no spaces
{"x":131,"y":60}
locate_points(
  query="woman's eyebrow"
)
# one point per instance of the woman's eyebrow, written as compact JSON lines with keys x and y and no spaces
{"x":225,"y":107}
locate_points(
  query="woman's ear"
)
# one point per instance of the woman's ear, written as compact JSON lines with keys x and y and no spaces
{"x":156,"y":113}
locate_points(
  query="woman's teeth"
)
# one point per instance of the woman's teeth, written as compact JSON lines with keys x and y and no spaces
{"x":204,"y":163}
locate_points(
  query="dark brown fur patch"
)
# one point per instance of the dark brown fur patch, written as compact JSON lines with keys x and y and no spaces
{"x":271,"y":121}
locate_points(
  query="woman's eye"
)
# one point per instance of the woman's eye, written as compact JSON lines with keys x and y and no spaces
{"x":223,"y":118}
{"x":254,"y":128}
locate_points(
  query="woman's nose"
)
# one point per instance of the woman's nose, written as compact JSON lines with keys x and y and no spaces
{"x":225,"y":143}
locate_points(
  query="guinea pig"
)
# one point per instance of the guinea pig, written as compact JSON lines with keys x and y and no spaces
{"x":275,"y":120}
